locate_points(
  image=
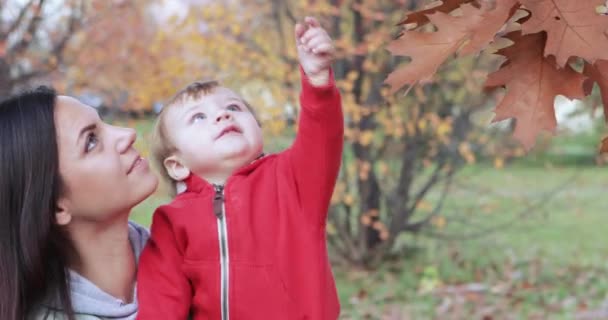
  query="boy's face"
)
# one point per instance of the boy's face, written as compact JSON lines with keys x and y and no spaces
{"x":214,"y":134}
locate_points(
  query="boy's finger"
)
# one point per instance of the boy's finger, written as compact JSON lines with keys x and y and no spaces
{"x":299,"y":31}
{"x":310,"y":34}
{"x":312,"y":22}
{"x":323,"y":48}
{"x":317,"y":40}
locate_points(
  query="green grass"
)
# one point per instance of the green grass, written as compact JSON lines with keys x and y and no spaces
{"x":547,"y":257}
{"x":558,"y":252}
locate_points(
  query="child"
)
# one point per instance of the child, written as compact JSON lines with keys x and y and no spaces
{"x":246,"y":239}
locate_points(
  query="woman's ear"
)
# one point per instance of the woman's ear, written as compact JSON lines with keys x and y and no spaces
{"x":62,"y":215}
{"x":176,"y":170}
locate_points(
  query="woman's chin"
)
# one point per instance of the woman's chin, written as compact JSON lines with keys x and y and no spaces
{"x":146,"y":188}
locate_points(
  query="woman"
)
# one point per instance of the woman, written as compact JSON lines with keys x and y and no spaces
{"x":68,"y":182}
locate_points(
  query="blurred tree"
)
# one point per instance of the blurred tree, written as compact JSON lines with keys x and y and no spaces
{"x":33,"y":38}
{"x":117,"y":56}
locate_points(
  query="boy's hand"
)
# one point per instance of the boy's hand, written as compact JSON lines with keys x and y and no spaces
{"x":315,"y":50}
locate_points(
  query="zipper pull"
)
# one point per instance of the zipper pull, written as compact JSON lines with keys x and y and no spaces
{"x":218,"y":200}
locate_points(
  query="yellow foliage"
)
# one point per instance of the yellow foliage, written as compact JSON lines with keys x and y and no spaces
{"x":330,"y":228}
{"x":499,"y":163}
{"x":438,"y":221}
{"x":422,"y":124}
{"x":348,"y":200}
{"x":382,"y":168}
{"x":444,"y":128}
{"x":398,"y":132}
{"x":465,"y":151}
{"x":366,"y":137}
{"x":411,"y":129}
{"x":423,"y":206}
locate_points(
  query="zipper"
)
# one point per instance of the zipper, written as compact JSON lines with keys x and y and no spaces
{"x":222,"y":230}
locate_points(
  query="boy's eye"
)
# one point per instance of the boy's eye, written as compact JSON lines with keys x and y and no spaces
{"x":234,"y":107}
{"x":90,"y":142}
{"x":198,"y":117}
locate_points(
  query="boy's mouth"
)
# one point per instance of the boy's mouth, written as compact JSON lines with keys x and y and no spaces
{"x":229,"y":129}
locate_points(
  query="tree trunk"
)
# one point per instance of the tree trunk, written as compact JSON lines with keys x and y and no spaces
{"x":5,"y":79}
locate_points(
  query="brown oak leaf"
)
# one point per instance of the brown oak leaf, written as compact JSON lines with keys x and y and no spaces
{"x":421,"y":17}
{"x":532,"y":82}
{"x":428,"y":50}
{"x":492,"y":20}
{"x":597,"y":73}
{"x":573,"y":28}
{"x":604,"y":146}
{"x":471,"y":31}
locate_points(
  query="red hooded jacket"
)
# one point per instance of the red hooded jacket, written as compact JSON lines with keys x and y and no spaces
{"x":254,"y":248}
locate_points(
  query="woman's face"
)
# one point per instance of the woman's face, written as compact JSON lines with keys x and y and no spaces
{"x":103,"y":175}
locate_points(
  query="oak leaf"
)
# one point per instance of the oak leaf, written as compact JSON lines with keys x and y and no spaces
{"x":532,"y":82}
{"x":597,"y":73}
{"x":573,"y":28}
{"x":492,"y":19}
{"x":469,"y":32}
{"x":421,"y":17}
{"x":428,"y":50}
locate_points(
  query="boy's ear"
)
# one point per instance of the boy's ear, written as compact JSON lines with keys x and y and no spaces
{"x":176,"y":170}
{"x":62,"y":214}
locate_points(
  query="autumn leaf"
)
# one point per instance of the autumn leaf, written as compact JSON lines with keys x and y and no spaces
{"x":472,"y":30}
{"x":428,"y":50}
{"x":492,"y":20}
{"x":597,"y":73}
{"x":421,"y":17}
{"x":573,"y":28}
{"x":604,"y":146}
{"x":532,"y":82}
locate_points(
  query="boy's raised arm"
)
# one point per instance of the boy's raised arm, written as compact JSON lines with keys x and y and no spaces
{"x":317,"y":150}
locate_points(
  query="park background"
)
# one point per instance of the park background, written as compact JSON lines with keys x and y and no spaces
{"x":437,"y":214}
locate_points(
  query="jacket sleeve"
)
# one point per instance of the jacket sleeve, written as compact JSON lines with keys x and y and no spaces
{"x":163,"y":290}
{"x":316,"y":153}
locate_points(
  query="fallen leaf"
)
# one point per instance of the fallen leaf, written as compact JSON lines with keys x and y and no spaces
{"x":532,"y":82}
{"x":573,"y":28}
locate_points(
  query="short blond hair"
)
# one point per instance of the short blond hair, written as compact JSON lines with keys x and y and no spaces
{"x":162,"y":146}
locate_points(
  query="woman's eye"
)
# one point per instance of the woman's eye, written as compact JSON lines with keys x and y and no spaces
{"x":198,"y":117}
{"x":91,"y":142}
{"x":234,"y":107}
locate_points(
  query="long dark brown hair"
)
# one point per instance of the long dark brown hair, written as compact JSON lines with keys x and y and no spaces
{"x":33,"y":249}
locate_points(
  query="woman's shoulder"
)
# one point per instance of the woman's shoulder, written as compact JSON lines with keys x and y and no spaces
{"x":45,"y":313}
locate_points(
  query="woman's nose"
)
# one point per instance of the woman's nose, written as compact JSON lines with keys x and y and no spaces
{"x":126,"y":138}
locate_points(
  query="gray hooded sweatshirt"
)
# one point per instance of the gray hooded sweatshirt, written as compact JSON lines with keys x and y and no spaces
{"x":92,"y":303}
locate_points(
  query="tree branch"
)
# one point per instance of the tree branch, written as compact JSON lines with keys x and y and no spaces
{"x":4,"y":34}
{"x":428,"y":185}
{"x":417,"y":226}
{"x":30,"y":32}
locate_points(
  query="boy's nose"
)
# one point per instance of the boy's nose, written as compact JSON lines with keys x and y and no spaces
{"x":222,"y":116}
